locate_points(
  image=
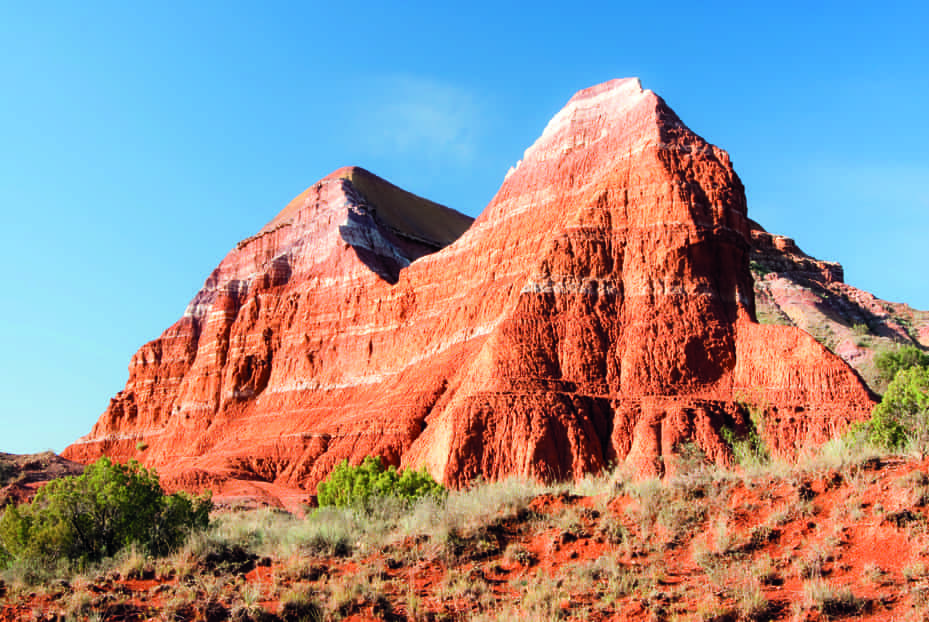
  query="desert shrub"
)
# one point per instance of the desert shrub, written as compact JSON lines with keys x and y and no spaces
{"x":890,"y":362}
{"x":915,"y":571}
{"x":325,"y":536}
{"x":596,"y":484}
{"x":541,"y":597}
{"x":466,"y":521}
{"x":879,"y":431}
{"x":91,"y":516}
{"x":358,"y":486}
{"x":758,"y":268}
{"x":265,"y":532}
{"x":901,"y":419}
{"x":689,"y":459}
{"x":517,"y":554}
{"x":765,"y":571}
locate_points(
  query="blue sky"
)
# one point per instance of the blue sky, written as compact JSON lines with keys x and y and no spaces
{"x":140,"y":142}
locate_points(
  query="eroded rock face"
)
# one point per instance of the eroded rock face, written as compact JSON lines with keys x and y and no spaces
{"x":794,"y":289}
{"x":600,"y":309}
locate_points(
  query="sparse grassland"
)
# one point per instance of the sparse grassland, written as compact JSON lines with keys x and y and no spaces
{"x":776,"y":542}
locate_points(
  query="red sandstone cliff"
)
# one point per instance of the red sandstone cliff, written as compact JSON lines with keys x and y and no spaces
{"x":600,"y":309}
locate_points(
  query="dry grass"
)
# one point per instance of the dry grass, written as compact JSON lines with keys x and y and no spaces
{"x":830,"y":600}
{"x":751,"y":602}
{"x":674,"y":549}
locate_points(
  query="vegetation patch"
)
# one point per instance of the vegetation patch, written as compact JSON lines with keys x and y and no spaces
{"x":759,"y":268}
{"x":81,"y":519}
{"x":831,"y":601}
{"x":890,"y":362}
{"x":706,"y":543}
{"x":748,"y":447}
{"x":360,"y":486}
{"x":901,"y":420}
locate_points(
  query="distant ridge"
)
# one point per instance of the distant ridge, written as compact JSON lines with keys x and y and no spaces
{"x":22,"y":474}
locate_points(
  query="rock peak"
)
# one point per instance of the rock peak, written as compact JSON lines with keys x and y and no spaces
{"x":610,"y":102}
{"x":599,"y":310}
{"x":617,"y":87}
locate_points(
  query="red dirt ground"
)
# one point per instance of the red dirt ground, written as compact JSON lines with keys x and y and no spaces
{"x":861,"y":528}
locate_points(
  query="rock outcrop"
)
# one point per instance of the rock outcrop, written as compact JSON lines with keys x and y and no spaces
{"x":794,"y":289}
{"x":600,"y":309}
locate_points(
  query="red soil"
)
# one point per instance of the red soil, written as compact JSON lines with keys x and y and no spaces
{"x":862,"y":528}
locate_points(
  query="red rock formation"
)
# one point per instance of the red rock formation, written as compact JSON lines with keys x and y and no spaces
{"x":794,"y":289}
{"x":600,"y":309}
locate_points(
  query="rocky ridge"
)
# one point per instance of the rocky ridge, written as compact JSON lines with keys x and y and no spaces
{"x":600,"y":309}
{"x":794,"y":289}
{"x":22,"y":474}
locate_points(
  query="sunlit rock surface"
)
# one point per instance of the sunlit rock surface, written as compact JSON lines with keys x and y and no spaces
{"x":600,"y":309}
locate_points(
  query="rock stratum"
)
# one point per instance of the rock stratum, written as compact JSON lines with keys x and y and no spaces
{"x":601,"y":309}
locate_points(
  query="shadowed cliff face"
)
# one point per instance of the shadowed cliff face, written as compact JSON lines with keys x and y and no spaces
{"x":601,"y":308}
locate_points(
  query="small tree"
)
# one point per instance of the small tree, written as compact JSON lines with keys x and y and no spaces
{"x":94,"y":515}
{"x":358,"y":486}
{"x":902,"y":417}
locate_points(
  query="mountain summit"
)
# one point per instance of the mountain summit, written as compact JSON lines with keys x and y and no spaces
{"x":600,"y":309}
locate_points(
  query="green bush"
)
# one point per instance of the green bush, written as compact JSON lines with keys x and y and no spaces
{"x":88,"y":517}
{"x":359,"y":486}
{"x":905,"y":408}
{"x":890,"y":362}
{"x":901,"y":420}
{"x":882,"y":432}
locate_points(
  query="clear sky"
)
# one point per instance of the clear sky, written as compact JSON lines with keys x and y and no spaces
{"x":140,"y":141}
